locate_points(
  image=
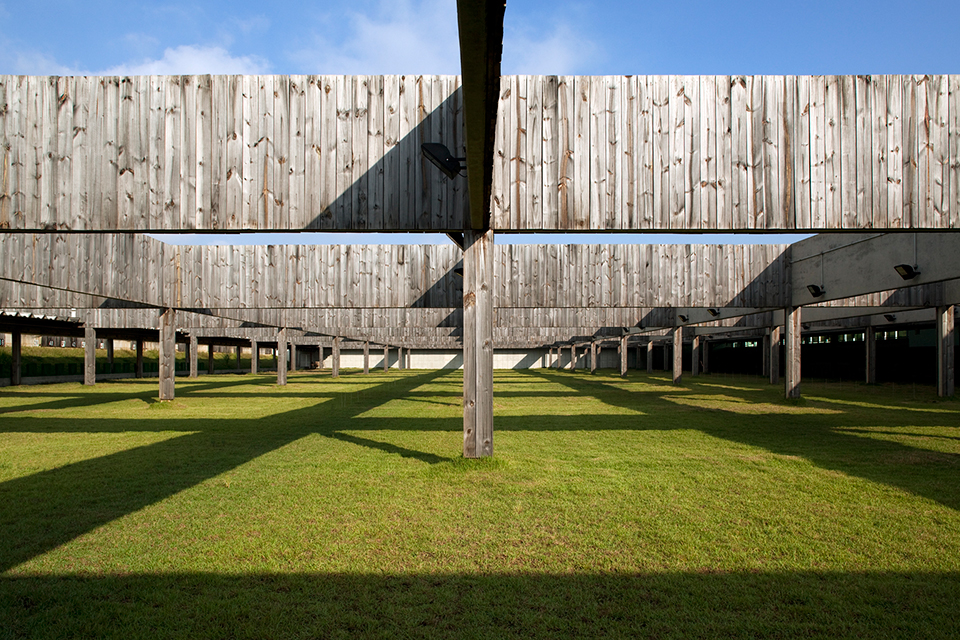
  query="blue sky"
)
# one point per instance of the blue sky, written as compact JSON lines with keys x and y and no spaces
{"x":420,"y":36}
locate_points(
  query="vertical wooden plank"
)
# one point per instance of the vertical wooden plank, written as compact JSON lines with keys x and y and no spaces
{"x":478,"y":344}
{"x":566,"y":151}
{"x":691,"y":152}
{"x":707,"y":188}
{"x":724,"y":161}
{"x":756,"y":184}
{"x":282,"y":356}
{"x":863,"y":98}
{"x":343,"y":205}
{"x":375,"y":160}
{"x":953,"y":135}
{"x":628,"y":160}
{"x":330,"y":88}
{"x":409,"y":147}
{"x":818,"y":153}
{"x":802,"y":165}
{"x":206,"y":153}
{"x":360,"y":188}
{"x":89,"y":356}
{"x":792,"y":340}
{"x":533,"y":153}
{"x":63,"y":217}
{"x":296,"y":210}
{"x":678,"y":161}
{"x":171,"y":153}
{"x":848,"y":152}
{"x":32,"y":176}
{"x":550,"y":152}
{"x":231,"y":186}
{"x":50,"y":160}
{"x":661,"y":152}
{"x":740,"y":157}
{"x":597,"y":141}
{"x":168,"y":350}
{"x":500,"y":193}
{"x":832,"y":100}
{"x":391,"y":153}
{"x":894,"y":140}
{"x":939,"y":181}
{"x":612,"y":197}
{"x":946,"y":356}
{"x":912,"y":128}
{"x":582,"y":152}
{"x":11,"y":208}
{"x":189,"y":160}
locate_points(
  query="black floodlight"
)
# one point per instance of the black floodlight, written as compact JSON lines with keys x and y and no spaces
{"x":816,"y":290}
{"x":890,"y":317}
{"x":440,"y":156}
{"x":907,"y":271}
{"x":458,"y":271}
{"x":713,"y":312}
{"x":683,"y":318}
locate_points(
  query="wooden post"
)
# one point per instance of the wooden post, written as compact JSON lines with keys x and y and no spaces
{"x":477,"y":343}
{"x":400,"y":358}
{"x":945,"y":352}
{"x":366,"y":356}
{"x":139,"y":369}
{"x":650,"y":356}
{"x":293,"y":357}
{"x":239,"y":353}
{"x":677,"y":355}
{"x":706,"y":356}
{"x":623,"y":355}
{"x":593,"y":357}
{"x":774,"y":350}
{"x":109,"y":355}
{"x":194,"y":356}
{"x":168,"y":353}
{"x":765,"y":352}
{"x":16,"y":353}
{"x":386,"y":358}
{"x":667,"y":365}
{"x":870,"y":347}
{"x":573,"y":357}
{"x":282,"y":356}
{"x":210,"y":363}
{"x":89,"y":356}
{"x":335,"y":366}
{"x":792,"y":368}
{"x":695,"y":356}
{"x":254,"y":356}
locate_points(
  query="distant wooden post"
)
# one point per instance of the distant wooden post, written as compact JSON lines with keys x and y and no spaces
{"x":16,"y":353}
{"x":792,"y":367}
{"x":667,"y":365}
{"x":677,"y":355}
{"x":254,"y":356}
{"x":210,"y":364}
{"x":400,"y":357}
{"x":293,"y":357}
{"x":706,"y":356}
{"x":765,"y":352}
{"x":239,"y":353}
{"x":623,"y":355}
{"x":194,"y":357}
{"x":282,"y":356}
{"x":650,"y":356}
{"x":478,"y":343}
{"x":593,"y":357}
{"x":695,"y":356}
{"x":573,"y":357}
{"x":139,"y":367}
{"x":386,"y":358}
{"x":110,"y":355}
{"x":366,"y":356}
{"x":945,"y":351}
{"x":89,"y":356}
{"x":168,"y":353}
{"x":870,"y":347}
{"x":774,"y":357}
{"x":335,"y":366}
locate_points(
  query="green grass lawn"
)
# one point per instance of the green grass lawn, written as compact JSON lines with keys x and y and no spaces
{"x":613,"y":507}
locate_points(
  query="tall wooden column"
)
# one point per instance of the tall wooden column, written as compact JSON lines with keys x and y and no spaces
{"x":593,"y":357}
{"x":254,"y":356}
{"x":792,"y":340}
{"x":667,"y":366}
{"x":194,"y":357}
{"x":765,"y":353}
{"x":210,"y":363}
{"x":870,"y":348}
{"x":706,"y":356}
{"x":945,"y":351}
{"x":335,"y":366}
{"x":695,"y":356}
{"x":774,"y":355}
{"x":386,"y":358}
{"x":400,"y":363}
{"x":90,"y":356}
{"x":16,"y":353}
{"x":139,"y":367}
{"x":477,"y":344}
{"x":293,"y":357}
{"x":650,"y":356}
{"x":573,"y":357}
{"x":239,"y":353}
{"x":623,"y":355}
{"x":366,"y":356}
{"x":109,"y":355}
{"x":282,"y":356}
{"x":168,"y":353}
{"x":677,"y":355}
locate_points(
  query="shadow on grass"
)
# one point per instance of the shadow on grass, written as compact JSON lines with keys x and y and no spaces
{"x":44,"y":510}
{"x":669,"y":605}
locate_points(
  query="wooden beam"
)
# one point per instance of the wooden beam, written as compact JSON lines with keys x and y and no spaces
{"x":282,"y":356}
{"x":293,"y":356}
{"x":366,"y":356}
{"x":168,"y":353}
{"x":792,"y":369}
{"x":386,"y":358}
{"x":478,"y":344}
{"x":678,"y":355}
{"x":193,"y":356}
{"x":89,"y":356}
{"x":945,"y":351}
{"x":623,"y":355}
{"x":254,"y":356}
{"x":481,"y":44}
{"x":335,"y":366}
{"x":593,"y":357}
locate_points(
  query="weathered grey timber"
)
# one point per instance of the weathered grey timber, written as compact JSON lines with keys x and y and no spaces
{"x":167,"y":353}
{"x":366,"y":356}
{"x":139,"y":366}
{"x":193,"y":349}
{"x":792,"y":339}
{"x":650,"y":356}
{"x":254,"y":356}
{"x":568,"y":153}
{"x":90,"y":356}
{"x":695,"y":356}
{"x":282,"y":356}
{"x":773,"y":355}
{"x":478,"y":293}
{"x":335,"y":366}
{"x":386,"y":358}
{"x":677,"y":355}
{"x":870,"y":353}
{"x":945,"y":351}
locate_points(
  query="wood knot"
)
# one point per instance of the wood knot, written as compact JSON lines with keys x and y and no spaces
{"x":469,"y":300}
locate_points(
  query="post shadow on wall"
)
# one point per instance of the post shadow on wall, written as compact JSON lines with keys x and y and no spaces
{"x":402,"y":189}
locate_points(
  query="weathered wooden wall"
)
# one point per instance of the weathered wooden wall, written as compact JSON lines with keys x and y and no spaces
{"x":574,"y":153}
{"x":140,"y":269}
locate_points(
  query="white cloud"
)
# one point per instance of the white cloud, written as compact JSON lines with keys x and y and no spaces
{"x":557,"y":52}
{"x":191,"y":59}
{"x":33,"y":63}
{"x":402,"y":36}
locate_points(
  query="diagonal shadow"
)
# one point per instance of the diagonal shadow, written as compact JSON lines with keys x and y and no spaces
{"x":44,"y":510}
